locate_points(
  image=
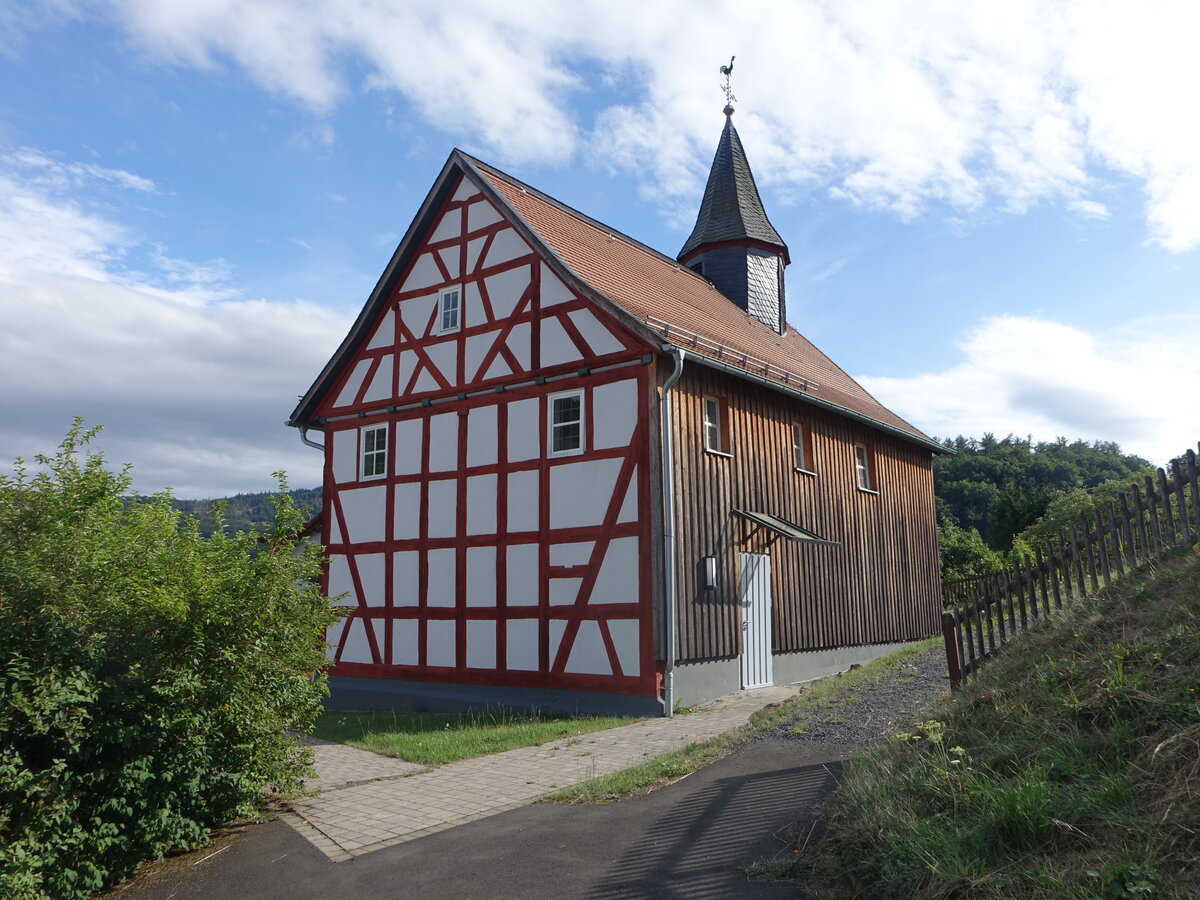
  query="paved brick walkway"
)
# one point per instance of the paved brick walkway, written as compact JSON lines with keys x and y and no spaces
{"x":353,"y":816}
{"x":340,"y":765}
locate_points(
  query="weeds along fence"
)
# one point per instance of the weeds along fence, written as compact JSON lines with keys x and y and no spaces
{"x":956,"y":591}
{"x":1117,"y":536}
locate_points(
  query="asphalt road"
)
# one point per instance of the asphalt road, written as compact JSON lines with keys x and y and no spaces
{"x":685,"y":841}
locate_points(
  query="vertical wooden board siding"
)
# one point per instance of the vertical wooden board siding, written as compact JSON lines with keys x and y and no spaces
{"x":881,"y":583}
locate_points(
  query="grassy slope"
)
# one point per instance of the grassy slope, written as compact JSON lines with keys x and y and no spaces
{"x":434,"y":739}
{"x":1070,"y":768}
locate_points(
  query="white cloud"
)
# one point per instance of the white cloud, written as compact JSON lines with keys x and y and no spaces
{"x":18,"y":19}
{"x":1034,"y":376}
{"x":191,"y":382}
{"x":493,"y":71}
{"x":45,"y":172}
{"x":832,"y":269}
{"x":1089,"y":209}
{"x":41,"y":230}
{"x":898,"y":106}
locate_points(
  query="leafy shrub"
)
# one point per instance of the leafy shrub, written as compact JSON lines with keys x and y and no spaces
{"x":964,"y":554}
{"x":1067,"y":508}
{"x":147,"y":674}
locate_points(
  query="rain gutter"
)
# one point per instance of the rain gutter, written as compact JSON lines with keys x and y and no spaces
{"x":669,"y":583}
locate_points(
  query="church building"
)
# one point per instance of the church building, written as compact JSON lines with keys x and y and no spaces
{"x":563,"y":469}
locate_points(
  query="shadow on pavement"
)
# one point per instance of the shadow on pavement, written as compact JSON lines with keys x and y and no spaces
{"x":685,"y":841}
{"x":694,"y":849}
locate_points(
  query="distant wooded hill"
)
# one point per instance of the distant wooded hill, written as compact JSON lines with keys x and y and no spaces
{"x":1001,"y":487}
{"x":245,"y":511}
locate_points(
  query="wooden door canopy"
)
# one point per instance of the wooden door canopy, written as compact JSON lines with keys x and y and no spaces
{"x":778,"y":528}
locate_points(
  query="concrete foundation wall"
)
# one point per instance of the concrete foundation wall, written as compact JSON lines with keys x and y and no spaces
{"x":694,"y":683}
{"x":697,"y":682}
{"x":347,"y":693}
{"x":807,"y":665}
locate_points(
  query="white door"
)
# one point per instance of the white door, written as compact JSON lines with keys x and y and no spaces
{"x":756,"y":620}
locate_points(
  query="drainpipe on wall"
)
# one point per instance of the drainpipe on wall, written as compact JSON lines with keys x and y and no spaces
{"x":669,"y":534}
{"x":304,"y":440}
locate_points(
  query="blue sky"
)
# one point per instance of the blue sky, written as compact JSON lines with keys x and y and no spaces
{"x":993,"y":211}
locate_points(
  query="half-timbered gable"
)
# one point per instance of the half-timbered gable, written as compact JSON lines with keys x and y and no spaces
{"x":564,"y":469}
{"x":475,"y":308}
{"x":487,"y":480}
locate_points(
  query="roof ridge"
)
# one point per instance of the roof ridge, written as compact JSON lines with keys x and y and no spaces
{"x":576,"y":241}
{"x":583,"y":217}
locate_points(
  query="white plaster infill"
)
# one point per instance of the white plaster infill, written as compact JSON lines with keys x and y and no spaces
{"x":353,"y":815}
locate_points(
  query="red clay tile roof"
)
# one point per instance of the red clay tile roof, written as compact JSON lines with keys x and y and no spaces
{"x":650,"y":286}
{"x":641,"y":285}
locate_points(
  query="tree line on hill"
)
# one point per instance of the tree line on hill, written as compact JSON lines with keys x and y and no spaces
{"x":243,"y":512}
{"x":996,"y":498}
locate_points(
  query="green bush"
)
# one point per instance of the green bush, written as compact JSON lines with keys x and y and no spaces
{"x":963,"y":553}
{"x":147,"y":674}
{"x":1067,"y":508}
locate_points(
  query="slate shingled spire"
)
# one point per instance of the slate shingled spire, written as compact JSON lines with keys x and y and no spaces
{"x":734,"y":245}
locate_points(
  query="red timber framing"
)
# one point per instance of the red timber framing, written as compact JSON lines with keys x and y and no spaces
{"x":458,"y":508}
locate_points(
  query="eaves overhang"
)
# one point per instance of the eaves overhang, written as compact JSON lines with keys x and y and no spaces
{"x":304,"y":415}
{"x":919,"y":440}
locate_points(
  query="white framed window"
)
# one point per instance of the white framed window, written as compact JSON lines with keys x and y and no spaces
{"x":374,"y":451}
{"x":449,"y":310}
{"x":565,"y":421}
{"x":716,"y":425}
{"x":864,"y":469}
{"x":802,"y":455}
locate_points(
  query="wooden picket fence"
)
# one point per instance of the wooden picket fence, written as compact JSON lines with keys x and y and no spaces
{"x":1136,"y":528}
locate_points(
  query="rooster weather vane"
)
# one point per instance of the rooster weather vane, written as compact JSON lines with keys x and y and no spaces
{"x":729,"y":98}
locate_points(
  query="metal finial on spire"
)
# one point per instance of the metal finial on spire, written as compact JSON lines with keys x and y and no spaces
{"x":729,"y":98}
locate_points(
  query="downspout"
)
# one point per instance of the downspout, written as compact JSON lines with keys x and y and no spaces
{"x":668,"y":485}
{"x":304,"y":440}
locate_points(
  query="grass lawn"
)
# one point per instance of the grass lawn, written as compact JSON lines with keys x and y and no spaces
{"x":434,"y":739}
{"x":649,"y":776}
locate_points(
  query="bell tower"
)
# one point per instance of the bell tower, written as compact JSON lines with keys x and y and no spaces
{"x":734,"y":245}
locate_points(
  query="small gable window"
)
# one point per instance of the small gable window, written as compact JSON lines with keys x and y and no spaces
{"x":716,"y":425}
{"x":802,"y":454}
{"x":374,"y":451}
{"x":449,"y":311}
{"x":566,"y":423}
{"x":864,"y":468}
